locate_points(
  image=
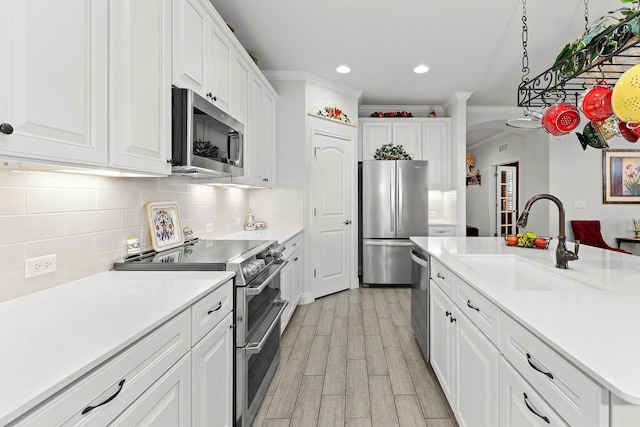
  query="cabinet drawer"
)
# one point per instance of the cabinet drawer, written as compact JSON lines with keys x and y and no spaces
{"x":520,"y":405}
{"x":292,"y":245}
{"x":123,"y":379}
{"x":579,"y":400}
{"x":482,"y":312}
{"x":206,"y":313}
{"x":443,"y":277}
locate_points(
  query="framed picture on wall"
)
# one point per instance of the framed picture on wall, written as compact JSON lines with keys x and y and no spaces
{"x":620,"y":176}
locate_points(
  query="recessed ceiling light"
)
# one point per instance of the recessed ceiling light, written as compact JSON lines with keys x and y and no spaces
{"x":421,"y":69}
{"x":343,"y":69}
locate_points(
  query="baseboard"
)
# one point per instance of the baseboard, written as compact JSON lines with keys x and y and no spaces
{"x":306,"y":298}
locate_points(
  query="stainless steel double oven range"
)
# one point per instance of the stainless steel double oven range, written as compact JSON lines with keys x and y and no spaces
{"x":257,"y":305}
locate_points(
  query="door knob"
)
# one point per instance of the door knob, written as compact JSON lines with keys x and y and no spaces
{"x":6,"y":128}
{"x":348,"y":222}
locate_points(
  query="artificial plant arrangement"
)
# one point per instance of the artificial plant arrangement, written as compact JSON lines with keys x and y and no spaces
{"x":589,"y":46}
{"x":391,"y":152}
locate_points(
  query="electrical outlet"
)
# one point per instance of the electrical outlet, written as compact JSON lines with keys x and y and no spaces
{"x":579,"y":205}
{"x":209,"y":227}
{"x":39,"y":265}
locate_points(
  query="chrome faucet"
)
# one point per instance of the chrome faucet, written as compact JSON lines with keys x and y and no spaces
{"x":563,"y":256}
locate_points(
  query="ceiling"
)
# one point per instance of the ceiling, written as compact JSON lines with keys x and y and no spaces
{"x":470,"y":46}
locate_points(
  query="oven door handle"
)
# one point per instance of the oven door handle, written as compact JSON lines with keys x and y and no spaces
{"x":257,"y":290}
{"x":254,"y":348}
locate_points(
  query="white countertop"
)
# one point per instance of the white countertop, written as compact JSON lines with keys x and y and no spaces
{"x":51,"y":338}
{"x":596,"y":329}
{"x":279,"y":234}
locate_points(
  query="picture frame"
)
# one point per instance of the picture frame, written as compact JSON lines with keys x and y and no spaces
{"x":164,"y":225}
{"x":620,"y":176}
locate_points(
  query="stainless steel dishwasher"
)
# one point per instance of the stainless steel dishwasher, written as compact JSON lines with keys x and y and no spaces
{"x":420,"y":275}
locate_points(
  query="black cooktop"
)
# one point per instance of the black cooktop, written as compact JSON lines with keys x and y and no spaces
{"x":195,"y":255}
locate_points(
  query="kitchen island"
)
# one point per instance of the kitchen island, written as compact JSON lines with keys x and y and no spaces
{"x":588,"y":314}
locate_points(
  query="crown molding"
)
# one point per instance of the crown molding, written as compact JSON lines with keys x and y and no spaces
{"x":274,"y":75}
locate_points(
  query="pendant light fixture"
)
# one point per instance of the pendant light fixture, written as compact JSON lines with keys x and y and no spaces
{"x":531,"y":119}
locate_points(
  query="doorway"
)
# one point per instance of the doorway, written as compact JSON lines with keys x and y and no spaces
{"x":507,"y":193}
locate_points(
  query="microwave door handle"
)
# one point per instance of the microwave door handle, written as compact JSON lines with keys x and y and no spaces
{"x":254,"y":348}
{"x":259,"y":289}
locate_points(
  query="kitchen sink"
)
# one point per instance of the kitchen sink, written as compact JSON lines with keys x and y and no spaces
{"x":518,"y":274}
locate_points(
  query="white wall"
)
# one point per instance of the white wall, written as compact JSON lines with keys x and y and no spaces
{"x":85,"y":220}
{"x":532,"y":153}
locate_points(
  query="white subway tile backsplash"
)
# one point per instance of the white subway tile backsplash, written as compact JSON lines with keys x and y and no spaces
{"x":13,"y":201}
{"x":90,"y":222}
{"x":119,"y":199}
{"x":85,"y":220}
{"x":45,"y":200}
{"x":25,"y":228}
{"x":65,"y":248}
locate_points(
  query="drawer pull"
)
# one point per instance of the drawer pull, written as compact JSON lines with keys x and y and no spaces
{"x":526,"y":402}
{"x":452,"y":319}
{"x":295,"y":259}
{"x":549,"y":374}
{"x":215,"y":309}
{"x":440,"y":276}
{"x":447,"y":313}
{"x":113,"y":396}
{"x":472,"y":306}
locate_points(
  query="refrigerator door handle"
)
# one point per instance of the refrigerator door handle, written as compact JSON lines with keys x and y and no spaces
{"x":392,"y":199}
{"x":399,"y":199}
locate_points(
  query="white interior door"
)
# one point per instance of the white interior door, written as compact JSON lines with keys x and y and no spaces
{"x":333,"y":170}
{"x":506,"y":200}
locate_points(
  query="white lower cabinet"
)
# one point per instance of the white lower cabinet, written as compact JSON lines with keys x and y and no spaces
{"x":170,"y":377}
{"x":520,"y":404}
{"x":465,"y":362}
{"x":291,"y":278}
{"x":167,"y":403}
{"x":212,"y":366}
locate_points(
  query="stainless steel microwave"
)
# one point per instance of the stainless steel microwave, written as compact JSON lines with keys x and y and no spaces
{"x":206,"y":141}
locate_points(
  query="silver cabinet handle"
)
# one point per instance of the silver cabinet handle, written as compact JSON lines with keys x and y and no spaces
{"x":440,"y":276}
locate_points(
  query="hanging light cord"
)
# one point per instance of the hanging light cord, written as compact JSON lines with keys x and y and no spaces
{"x":525,"y":39}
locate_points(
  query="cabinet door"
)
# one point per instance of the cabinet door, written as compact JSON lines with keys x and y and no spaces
{"x":409,"y":135}
{"x":286,"y":293}
{"x":241,"y":90}
{"x":190,"y":38}
{"x":212,"y":360}
{"x":436,"y":148}
{"x":375,"y":134}
{"x":521,"y":405}
{"x":218,"y":67}
{"x":442,"y":339}
{"x":476,"y":367}
{"x":298,"y":277}
{"x":53,"y":80}
{"x":268,"y":138}
{"x":167,"y":403}
{"x":140,"y":85}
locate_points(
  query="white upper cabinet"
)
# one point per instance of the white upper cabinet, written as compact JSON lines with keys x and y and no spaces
{"x":436,"y":148}
{"x":409,"y":135}
{"x":53,"y":80}
{"x":374,"y":134}
{"x":422,"y":138}
{"x":218,"y":65}
{"x":190,"y":34}
{"x":140,"y":85}
{"x":202,"y":53}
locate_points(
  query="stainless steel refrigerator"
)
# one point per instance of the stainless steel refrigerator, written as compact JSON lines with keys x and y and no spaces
{"x":395,"y":206}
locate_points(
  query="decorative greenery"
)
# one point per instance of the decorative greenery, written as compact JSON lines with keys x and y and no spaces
{"x":569,"y":61}
{"x":391,"y":152}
